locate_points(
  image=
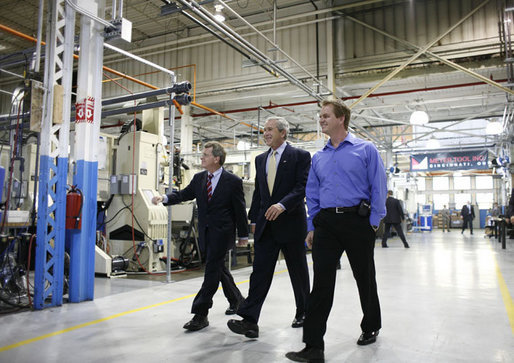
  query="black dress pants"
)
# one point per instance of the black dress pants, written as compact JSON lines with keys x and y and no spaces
{"x":387,"y":232}
{"x":216,"y":271}
{"x":467,"y":221}
{"x":334,"y":234}
{"x":266,"y":254}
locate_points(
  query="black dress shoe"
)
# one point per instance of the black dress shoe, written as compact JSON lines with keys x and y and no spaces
{"x":406,"y":245}
{"x":244,"y":327}
{"x":385,"y":246}
{"x":232,"y":309}
{"x":298,"y":321}
{"x":307,"y":354}
{"x":368,"y":338}
{"x":198,"y":322}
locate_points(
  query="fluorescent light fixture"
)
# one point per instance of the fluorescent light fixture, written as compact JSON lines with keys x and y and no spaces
{"x":418,"y":118}
{"x":494,"y":128}
{"x":218,"y":15}
{"x":433,"y":144}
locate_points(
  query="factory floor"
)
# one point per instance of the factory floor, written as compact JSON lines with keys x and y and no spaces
{"x":446,"y":299}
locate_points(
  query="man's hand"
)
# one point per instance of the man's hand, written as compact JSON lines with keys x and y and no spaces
{"x":157,"y":199}
{"x":242,"y":242}
{"x":252,"y":227}
{"x":309,"y":238}
{"x":512,"y":219}
{"x":273,"y":212}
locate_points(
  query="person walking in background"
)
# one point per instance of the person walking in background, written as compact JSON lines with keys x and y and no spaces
{"x":221,"y":209}
{"x":468,"y":214}
{"x":278,"y":209}
{"x":346,"y":192}
{"x":445,"y":217}
{"x":394,"y":217}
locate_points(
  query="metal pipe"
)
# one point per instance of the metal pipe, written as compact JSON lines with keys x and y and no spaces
{"x":37,"y":64}
{"x":139,"y":59}
{"x":192,"y":18}
{"x":207,"y":16}
{"x":11,"y":73}
{"x":137,"y":108}
{"x":171,"y":121}
{"x":136,"y":96}
{"x":93,"y":17}
{"x":276,"y":46}
{"x":113,"y":10}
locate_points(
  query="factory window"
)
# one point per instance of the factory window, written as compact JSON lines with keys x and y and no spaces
{"x":441,"y":200}
{"x":461,"y":199}
{"x":441,"y":183}
{"x":420,"y":183}
{"x":420,"y":199}
{"x":484,"y":182}
{"x":461,"y":182}
{"x":484,"y":200}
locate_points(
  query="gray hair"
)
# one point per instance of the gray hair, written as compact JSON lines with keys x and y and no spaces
{"x":281,"y":123}
{"x":217,"y":150}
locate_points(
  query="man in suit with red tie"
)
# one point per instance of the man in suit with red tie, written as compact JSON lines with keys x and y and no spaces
{"x":221,"y":209}
{"x":278,"y":212}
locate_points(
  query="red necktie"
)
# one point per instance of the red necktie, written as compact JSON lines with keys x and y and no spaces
{"x":209,"y":187}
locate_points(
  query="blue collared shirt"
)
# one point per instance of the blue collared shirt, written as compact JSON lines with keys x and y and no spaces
{"x":343,"y":176}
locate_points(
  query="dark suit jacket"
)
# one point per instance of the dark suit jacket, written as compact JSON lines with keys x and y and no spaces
{"x":288,"y":189}
{"x":465,"y":212}
{"x":394,"y":211}
{"x":225,"y":212}
{"x":510,"y":211}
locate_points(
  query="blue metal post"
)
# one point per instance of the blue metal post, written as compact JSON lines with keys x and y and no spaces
{"x":49,"y":269}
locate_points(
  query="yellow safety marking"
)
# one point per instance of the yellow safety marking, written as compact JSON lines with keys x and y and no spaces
{"x":80,"y":326}
{"x":507,"y":299}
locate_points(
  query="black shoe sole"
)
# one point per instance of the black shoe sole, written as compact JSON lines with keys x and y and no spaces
{"x":236,"y":328}
{"x":367,"y":341}
{"x":196,"y":327}
{"x":296,"y":358}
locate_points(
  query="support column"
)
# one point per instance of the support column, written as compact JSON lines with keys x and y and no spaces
{"x":51,"y":214}
{"x":81,"y":242}
{"x":331,"y":79}
{"x":186,"y":131}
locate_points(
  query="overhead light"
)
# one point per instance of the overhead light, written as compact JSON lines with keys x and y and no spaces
{"x":243,"y":145}
{"x":418,"y":118}
{"x":494,"y":128}
{"x":218,"y":15}
{"x":433,"y":144}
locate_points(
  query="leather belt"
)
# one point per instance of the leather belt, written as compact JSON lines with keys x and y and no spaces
{"x":341,"y":210}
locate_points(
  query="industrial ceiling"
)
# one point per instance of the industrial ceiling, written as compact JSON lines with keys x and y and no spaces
{"x":386,"y":59}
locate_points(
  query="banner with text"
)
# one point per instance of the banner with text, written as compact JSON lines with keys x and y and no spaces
{"x":456,"y":160}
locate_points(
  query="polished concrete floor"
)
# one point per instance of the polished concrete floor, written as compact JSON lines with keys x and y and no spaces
{"x":446,"y":299}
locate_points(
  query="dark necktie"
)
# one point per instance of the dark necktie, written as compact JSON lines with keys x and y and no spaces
{"x":209,"y":186}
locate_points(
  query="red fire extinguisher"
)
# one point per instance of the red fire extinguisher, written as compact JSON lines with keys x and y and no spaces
{"x":74,"y":208}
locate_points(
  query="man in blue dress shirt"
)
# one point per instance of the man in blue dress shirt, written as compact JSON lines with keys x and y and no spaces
{"x":346,"y":192}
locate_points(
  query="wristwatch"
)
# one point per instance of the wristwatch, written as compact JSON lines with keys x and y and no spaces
{"x":375,"y":228}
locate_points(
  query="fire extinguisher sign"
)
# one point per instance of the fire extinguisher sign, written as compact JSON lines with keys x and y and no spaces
{"x":85,"y":110}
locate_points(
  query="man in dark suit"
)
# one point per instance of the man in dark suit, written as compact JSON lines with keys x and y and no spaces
{"x":278,"y":212}
{"x":221,"y":209}
{"x":394,"y":217}
{"x":468,"y":214}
